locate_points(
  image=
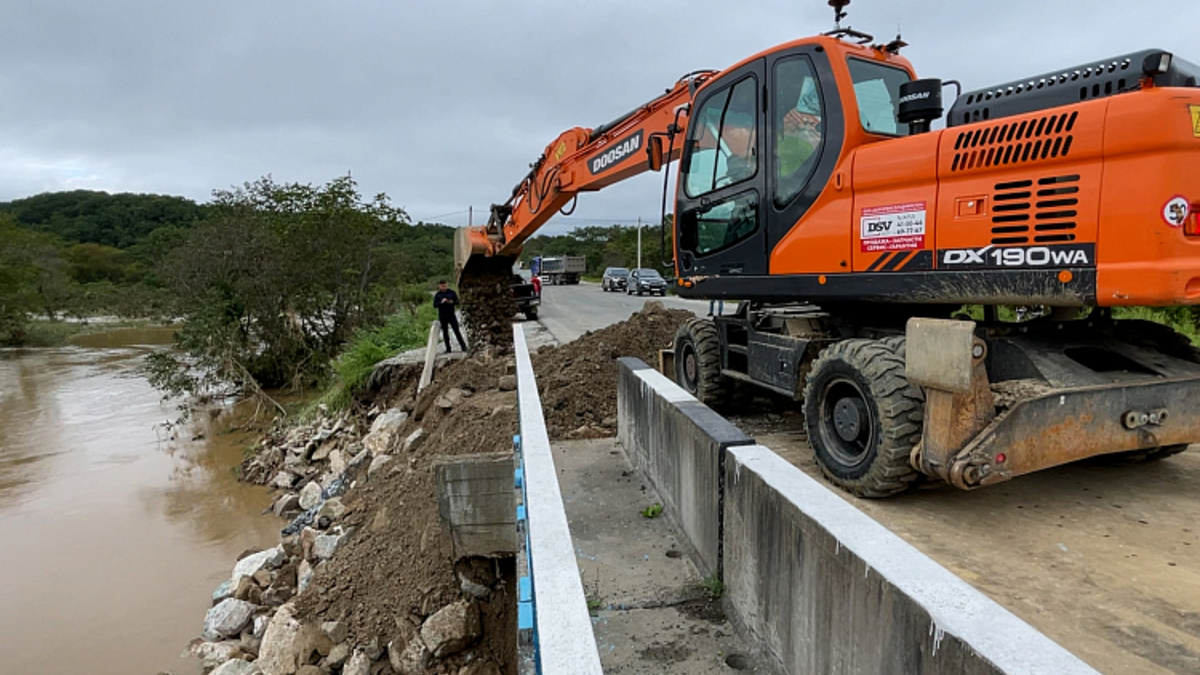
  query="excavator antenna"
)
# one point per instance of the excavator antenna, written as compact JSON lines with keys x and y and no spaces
{"x":839,"y":12}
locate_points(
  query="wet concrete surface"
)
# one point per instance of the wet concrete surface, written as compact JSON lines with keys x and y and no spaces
{"x":652,"y":612}
{"x":114,"y":527}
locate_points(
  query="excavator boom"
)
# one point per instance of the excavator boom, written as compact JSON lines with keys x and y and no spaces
{"x":579,"y":160}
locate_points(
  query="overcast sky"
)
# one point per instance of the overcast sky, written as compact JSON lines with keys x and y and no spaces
{"x":442,"y":105}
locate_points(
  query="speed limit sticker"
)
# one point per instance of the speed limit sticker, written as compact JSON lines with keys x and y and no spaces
{"x":899,"y":227}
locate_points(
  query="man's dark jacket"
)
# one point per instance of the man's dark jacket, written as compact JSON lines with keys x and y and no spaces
{"x":445,"y":309}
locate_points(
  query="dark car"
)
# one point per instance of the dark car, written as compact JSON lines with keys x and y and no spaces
{"x":527,"y":296}
{"x":615,"y":279}
{"x":644,"y":280}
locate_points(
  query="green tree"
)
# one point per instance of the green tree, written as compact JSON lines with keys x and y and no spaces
{"x":275,"y":281}
{"x":85,"y":216}
{"x":33,"y":279}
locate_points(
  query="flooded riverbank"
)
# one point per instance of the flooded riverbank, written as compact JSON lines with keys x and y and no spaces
{"x":112,"y":535}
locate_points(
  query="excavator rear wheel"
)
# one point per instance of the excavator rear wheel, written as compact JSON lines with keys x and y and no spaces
{"x":863,"y":417}
{"x":698,"y":363}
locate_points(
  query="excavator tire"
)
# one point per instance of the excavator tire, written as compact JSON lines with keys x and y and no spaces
{"x":698,"y":363}
{"x":863,"y":417}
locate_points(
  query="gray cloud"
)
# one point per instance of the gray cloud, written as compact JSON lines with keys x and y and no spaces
{"x":441,"y":105}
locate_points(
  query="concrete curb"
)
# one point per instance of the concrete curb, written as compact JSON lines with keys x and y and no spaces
{"x":565,"y":642}
{"x":680,"y":444}
{"x":827,"y":589}
{"x":819,"y":585}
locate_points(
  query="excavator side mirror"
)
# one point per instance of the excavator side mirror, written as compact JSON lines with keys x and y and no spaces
{"x":654,"y":150}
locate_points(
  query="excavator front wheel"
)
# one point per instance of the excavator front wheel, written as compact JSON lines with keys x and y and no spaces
{"x":698,"y":363}
{"x":863,"y":417}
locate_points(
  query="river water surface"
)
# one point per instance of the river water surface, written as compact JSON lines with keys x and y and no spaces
{"x":112,"y":535}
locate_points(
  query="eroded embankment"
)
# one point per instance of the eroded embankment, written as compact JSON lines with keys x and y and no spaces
{"x":365,"y":578}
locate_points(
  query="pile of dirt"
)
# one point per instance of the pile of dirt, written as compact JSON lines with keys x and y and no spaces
{"x":488,"y":305}
{"x":578,"y":380}
{"x":400,"y":568}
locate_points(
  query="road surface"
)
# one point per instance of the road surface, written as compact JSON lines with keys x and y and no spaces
{"x":1103,"y":559}
{"x":570,"y":311}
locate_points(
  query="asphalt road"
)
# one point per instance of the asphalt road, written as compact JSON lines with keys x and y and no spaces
{"x":570,"y":311}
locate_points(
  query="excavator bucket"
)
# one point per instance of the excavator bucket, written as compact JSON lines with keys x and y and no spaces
{"x":472,"y":252}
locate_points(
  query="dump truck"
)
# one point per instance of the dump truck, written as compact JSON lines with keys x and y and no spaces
{"x":873,"y":255}
{"x":563,"y":270}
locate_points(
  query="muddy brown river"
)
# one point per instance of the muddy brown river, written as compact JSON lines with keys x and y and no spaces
{"x":113,"y":535}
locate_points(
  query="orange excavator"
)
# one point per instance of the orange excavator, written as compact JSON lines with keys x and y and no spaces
{"x":877,"y":260}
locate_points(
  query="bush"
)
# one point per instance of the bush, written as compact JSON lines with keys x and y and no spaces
{"x":401,"y":332}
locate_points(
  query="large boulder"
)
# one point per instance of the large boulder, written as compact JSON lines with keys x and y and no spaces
{"x":415,"y":440}
{"x":326,"y":545}
{"x":223,"y":591}
{"x":227,"y":619}
{"x":310,"y":495}
{"x":333,"y":509}
{"x":284,"y":480}
{"x":358,"y":664}
{"x":382,"y":436}
{"x":237,"y":667}
{"x":289,"y":644}
{"x":213,"y":654}
{"x":377,"y":464}
{"x":408,"y":657}
{"x":451,"y":629}
{"x":251,"y":564}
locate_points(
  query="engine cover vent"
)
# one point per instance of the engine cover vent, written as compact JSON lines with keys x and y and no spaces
{"x":1064,"y":87}
{"x":1014,"y":143}
{"x":1044,"y":209}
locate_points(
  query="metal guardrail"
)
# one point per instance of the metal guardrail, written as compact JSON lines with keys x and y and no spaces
{"x":552,"y":607}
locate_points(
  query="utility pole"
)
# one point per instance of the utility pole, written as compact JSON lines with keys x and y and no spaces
{"x":470,"y":216}
{"x":639,"y":265}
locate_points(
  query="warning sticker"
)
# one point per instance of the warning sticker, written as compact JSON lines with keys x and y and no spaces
{"x":1195,"y":119}
{"x":899,"y":227}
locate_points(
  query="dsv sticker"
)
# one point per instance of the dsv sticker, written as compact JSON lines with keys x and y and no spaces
{"x":1009,"y":257}
{"x":616,"y":153}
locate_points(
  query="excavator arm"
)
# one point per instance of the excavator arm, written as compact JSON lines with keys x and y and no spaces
{"x":579,"y":160}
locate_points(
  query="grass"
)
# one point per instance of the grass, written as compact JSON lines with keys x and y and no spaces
{"x":400,"y":333}
{"x":652,"y":511}
{"x":713,"y":587}
{"x":1180,"y":319}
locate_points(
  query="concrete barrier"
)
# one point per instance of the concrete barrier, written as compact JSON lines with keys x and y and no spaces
{"x":477,"y":503}
{"x":679,"y":443}
{"x":563,"y":637}
{"x":826,"y":589}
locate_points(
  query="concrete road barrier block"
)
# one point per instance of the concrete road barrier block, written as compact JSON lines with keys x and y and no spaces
{"x":477,"y":503}
{"x":826,"y":589}
{"x":679,"y":443}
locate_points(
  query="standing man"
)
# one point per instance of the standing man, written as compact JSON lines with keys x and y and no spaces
{"x":446,"y":301}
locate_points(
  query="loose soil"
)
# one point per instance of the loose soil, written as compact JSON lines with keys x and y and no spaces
{"x":488,"y":305}
{"x":399,"y":565}
{"x":578,"y":380}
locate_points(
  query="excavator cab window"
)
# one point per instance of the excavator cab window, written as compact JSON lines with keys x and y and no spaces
{"x":798,"y":126}
{"x":877,"y":89}
{"x":722,"y":148}
{"x":713,"y":228}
